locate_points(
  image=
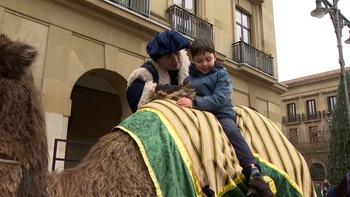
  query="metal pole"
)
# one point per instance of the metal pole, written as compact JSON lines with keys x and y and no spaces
{"x":338,"y":26}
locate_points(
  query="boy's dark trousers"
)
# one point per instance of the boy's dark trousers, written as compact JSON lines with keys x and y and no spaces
{"x":243,"y":152}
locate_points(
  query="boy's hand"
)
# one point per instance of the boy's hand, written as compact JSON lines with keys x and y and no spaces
{"x":185,"y":102}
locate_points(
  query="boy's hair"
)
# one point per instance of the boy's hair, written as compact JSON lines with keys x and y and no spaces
{"x":201,"y":45}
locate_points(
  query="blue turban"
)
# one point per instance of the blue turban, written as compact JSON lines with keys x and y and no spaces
{"x":166,"y":42}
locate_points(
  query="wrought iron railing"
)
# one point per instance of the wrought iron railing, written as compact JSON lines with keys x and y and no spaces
{"x":244,"y":53}
{"x":321,"y":145}
{"x":291,"y":119}
{"x":313,"y":147}
{"x":189,"y":24}
{"x":140,"y":7}
{"x":74,"y":160}
{"x":310,"y":117}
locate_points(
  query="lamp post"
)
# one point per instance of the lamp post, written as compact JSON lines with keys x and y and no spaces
{"x":339,"y":21}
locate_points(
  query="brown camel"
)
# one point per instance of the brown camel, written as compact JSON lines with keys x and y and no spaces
{"x":115,"y":166}
{"x":110,"y":169}
{"x":23,"y":145}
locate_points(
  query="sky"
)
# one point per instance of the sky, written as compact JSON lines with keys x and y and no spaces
{"x":307,"y":45}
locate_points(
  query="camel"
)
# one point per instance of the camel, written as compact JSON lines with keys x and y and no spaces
{"x":23,"y":164}
{"x":119,"y":164}
{"x":24,"y":151}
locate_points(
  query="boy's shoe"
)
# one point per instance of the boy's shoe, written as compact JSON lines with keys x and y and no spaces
{"x":251,"y":191}
{"x":258,"y":187}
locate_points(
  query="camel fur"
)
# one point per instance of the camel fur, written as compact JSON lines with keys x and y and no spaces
{"x":184,"y":91}
{"x":114,"y":166}
{"x":23,"y":144}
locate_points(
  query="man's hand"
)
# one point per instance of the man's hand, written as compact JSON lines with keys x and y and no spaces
{"x":185,"y":102}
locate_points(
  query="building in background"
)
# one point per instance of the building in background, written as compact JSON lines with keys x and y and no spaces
{"x":88,"y":48}
{"x":307,"y":111}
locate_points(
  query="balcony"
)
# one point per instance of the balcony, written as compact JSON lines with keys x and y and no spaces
{"x":312,"y":117}
{"x":317,"y":147}
{"x":188,"y":23}
{"x":291,"y":119}
{"x":321,"y":144}
{"x":244,"y":53}
{"x":137,"y":6}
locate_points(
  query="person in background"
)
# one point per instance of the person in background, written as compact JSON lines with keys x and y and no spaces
{"x":167,"y":69}
{"x":213,"y":88}
{"x":342,"y":189}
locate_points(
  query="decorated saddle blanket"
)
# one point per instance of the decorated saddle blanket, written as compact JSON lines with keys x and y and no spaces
{"x":276,"y":153}
{"x":187,"y":152}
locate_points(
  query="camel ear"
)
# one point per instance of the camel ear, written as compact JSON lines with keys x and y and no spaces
{"x":15,"y":57}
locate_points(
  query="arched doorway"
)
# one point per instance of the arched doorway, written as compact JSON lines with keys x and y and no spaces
{"x":96,"y":109}
{"x":318,"y":174}
{"x":317,"y":171}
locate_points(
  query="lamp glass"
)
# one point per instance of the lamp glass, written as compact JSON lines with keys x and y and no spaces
{"x":319,"y":12}
{"x":347,"y":41}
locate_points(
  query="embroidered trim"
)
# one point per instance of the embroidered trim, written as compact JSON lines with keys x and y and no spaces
{"x":145,"y":158}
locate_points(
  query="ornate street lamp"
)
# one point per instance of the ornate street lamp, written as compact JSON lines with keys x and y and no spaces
{"x":339,"y":21}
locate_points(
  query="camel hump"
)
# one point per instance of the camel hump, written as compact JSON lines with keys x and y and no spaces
{"x":15,"y":57}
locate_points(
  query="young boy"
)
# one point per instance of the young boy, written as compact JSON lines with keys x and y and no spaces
{"x":213,"y":88}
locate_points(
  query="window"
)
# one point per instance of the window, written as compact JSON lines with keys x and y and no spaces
{"x":188,"y":5}
{"x":332,"y":100}
{"x":314,"y":134}
{"x":291,"y":112}
{"x":183,"y":17}
{"x":243,"y":29}
{"x":141,"y":7}
{"x":293,"y":135}
{"x":311,"y":109}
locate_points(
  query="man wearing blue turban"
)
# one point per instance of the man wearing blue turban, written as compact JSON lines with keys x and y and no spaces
{"x":168,"y":68}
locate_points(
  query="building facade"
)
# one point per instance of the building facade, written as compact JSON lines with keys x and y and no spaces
{"x":307,"y":111}
{"x":88,"y":49}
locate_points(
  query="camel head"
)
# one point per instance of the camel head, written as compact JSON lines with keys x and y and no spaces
{"x":23,"y":141}
{"x":15,"y":58}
